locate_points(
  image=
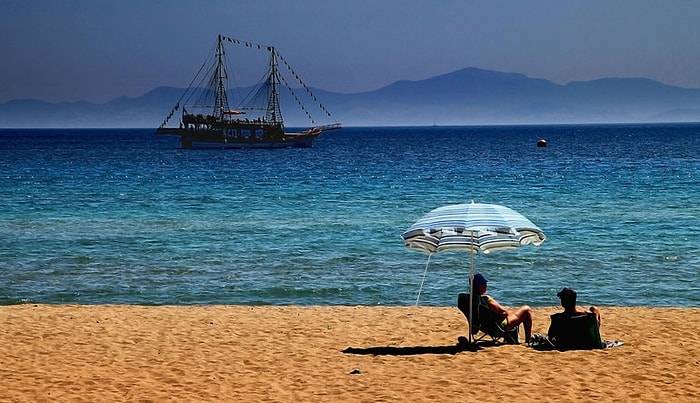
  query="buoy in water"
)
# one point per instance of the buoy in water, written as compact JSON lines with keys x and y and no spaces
{"x":541,"y":143}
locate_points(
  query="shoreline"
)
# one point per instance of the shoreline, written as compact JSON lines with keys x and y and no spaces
{"x":284,"y":353}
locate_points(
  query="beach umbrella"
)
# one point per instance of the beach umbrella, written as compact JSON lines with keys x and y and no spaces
{"x":471,"y":227}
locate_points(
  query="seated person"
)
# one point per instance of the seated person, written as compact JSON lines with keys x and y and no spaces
{"x":565,"y":333}
{"x":568,"y":302}
{"x":511,"y":319}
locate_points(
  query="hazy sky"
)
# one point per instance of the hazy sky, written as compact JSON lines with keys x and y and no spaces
{"x":96,"y":50}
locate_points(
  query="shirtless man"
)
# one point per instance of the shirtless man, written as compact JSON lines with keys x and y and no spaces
{"x":511,"y":318}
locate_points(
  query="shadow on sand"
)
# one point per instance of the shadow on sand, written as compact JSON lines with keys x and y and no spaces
{"x":417,"y":350}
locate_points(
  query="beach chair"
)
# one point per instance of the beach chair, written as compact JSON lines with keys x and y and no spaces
{"x":580,"y":332}
{"x":486,"y":322}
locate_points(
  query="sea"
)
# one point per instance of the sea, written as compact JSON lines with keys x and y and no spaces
{"x":122,"y":216}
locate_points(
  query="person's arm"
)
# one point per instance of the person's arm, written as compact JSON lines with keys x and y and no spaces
{"x":496,"y":308}
{"x":596,"y":311}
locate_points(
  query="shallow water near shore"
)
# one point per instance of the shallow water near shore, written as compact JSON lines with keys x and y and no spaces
{"x":126,"y":217}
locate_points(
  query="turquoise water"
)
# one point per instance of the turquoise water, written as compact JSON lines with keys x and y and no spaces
{"x":126,"y":217}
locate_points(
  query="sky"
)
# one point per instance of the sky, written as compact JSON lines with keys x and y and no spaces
{"x":98,"y":50}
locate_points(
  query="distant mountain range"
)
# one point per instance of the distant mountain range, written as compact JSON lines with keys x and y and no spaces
{"x":464,"y":97}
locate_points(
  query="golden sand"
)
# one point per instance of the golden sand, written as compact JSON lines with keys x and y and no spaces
{"x":271,"y":353}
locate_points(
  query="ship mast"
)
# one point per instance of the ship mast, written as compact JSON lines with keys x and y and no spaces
{"x":220,"y":77}
{"x":273,"y":113}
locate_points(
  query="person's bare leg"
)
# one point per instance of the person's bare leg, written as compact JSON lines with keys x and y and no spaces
{"x":521,"y":315}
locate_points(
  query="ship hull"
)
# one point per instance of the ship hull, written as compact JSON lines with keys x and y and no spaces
{"x":219,"y":139}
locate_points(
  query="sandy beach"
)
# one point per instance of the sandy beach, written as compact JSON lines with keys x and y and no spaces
{"x":272,"y":353}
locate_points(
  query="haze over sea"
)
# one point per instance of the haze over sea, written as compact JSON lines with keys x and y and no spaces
{"x":125,"y":217}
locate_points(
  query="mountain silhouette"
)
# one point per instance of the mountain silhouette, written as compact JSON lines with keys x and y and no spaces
{"x":464,"y":97}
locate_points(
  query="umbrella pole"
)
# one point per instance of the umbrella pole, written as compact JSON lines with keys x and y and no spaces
{"x":425,"y":272}
{"x":471,"y":288}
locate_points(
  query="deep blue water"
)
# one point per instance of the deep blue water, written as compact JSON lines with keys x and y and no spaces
{"x":126,"y":217}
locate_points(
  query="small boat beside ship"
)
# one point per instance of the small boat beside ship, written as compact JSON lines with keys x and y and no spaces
{"x":208,"y":121}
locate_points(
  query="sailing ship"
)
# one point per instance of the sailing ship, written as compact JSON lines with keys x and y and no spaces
{"x":208,"y":121}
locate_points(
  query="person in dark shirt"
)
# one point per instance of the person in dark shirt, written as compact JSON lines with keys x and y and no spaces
{"x":568,"y":302}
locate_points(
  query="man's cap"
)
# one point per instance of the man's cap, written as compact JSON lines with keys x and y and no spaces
{"x":566,"y":293}
{"x":479,"y":279}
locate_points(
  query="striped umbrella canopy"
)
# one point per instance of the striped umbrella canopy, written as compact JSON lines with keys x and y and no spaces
{"x":471,"y":227}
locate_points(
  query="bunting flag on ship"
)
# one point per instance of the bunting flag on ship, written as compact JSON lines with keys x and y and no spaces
{"x":291,"y":71}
